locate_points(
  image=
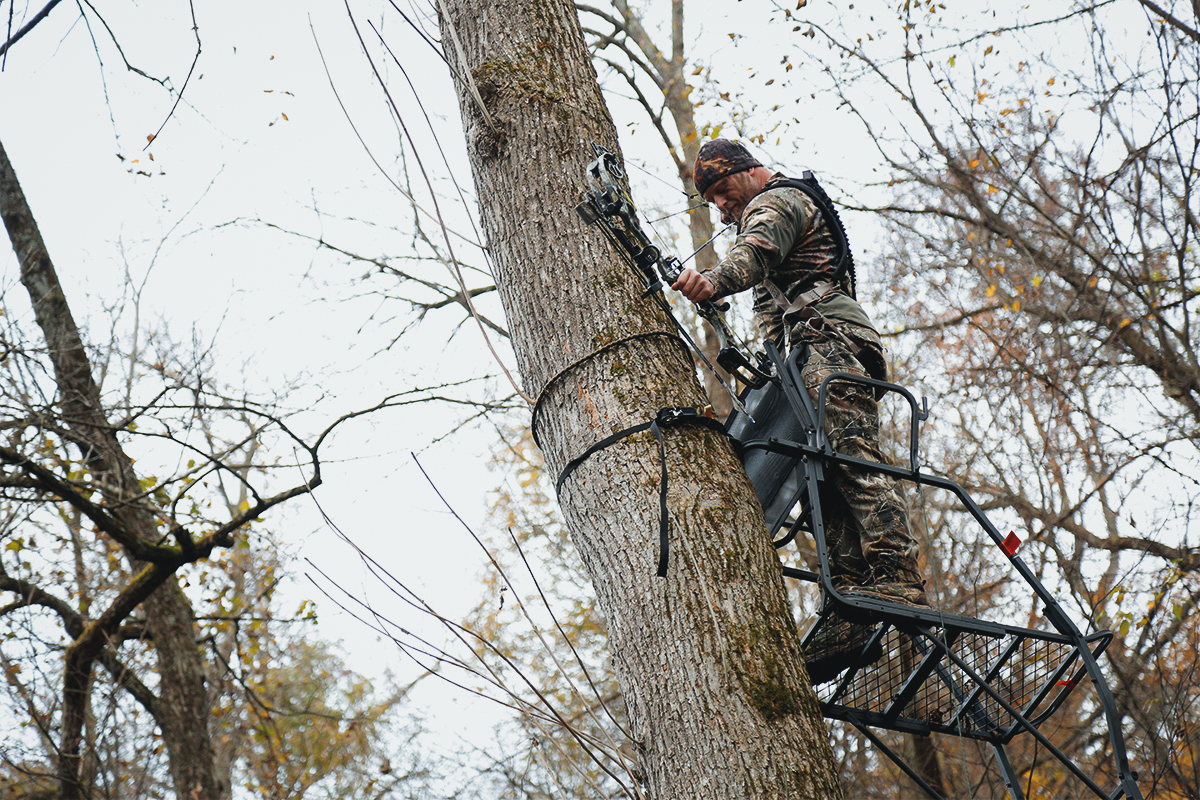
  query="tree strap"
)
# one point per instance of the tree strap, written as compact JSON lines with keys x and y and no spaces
{"x":672,"y":415}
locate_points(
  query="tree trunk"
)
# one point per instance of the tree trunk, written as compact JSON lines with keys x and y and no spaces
{"x":709,"y":659}
{"x":183,"y":708}
{"x":926,"y":762}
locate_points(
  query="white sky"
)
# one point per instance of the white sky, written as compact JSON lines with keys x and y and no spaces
{"x":270,"y":301}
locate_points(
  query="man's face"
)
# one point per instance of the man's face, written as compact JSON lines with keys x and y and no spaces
{"x":731,"y":194}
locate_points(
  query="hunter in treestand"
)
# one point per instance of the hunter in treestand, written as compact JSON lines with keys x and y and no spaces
{"x":787,"y":252}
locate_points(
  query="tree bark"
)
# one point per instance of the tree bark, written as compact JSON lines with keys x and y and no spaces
{"x":183,"y":706}
{"x":709,"y":659}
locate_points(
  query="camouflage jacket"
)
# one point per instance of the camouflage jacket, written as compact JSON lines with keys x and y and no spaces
{"x":783,"y":236}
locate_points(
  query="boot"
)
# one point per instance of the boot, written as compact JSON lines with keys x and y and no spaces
{"x":894,"y":583}
{"x":838,"y":646}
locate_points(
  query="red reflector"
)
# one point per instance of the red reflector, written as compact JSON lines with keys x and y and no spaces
{"x":1067,"y":684}
{"x":1011,"y":544}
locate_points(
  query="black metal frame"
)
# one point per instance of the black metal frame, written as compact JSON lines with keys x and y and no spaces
{"x":957,"y":675}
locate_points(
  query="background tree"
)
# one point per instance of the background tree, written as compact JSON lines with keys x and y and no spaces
{"x":1041,"y":277}
{"x":97,"y":556}
{"x":658,"y":77}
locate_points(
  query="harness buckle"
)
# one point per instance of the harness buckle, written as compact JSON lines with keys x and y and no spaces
{"x":672,"y":414}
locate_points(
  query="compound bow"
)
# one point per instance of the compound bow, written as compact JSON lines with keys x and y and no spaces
{"x":606,"y":204}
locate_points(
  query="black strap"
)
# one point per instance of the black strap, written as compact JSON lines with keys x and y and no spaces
{"x":664,"y":543}
{"x":844,"y":270}
{"x":671,"y":415}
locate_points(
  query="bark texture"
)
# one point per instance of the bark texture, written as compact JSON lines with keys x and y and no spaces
{"x":709,"y":658}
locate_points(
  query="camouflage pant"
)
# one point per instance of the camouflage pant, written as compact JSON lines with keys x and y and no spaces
{"x":866,"y":520}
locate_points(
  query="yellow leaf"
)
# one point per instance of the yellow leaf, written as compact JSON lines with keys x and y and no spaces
{"x":1125,"y":322}
{"x":991,"y":290}
{"x":1050,"y":82}
{"x":981,"y":95}
{"x":284,"y":117}
{"x":992,"y":189}
{"x":951,"y":60}
{"x":1016,"y":305}
{"x":1037,"y":280}
{"x":973,"y":163}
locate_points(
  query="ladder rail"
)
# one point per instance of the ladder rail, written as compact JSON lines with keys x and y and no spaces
{"x":811,"y":455}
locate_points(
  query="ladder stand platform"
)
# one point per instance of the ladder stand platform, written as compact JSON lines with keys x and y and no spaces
{"x":914,"y":670}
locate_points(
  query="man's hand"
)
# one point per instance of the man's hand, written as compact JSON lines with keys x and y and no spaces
{"x":694,"y":286}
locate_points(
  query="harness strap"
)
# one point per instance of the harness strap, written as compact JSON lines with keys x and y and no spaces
{"x":801,"y":311}
{"x":671,"y":415}
{"x":810,"y":186}
{"x":793,"y":309}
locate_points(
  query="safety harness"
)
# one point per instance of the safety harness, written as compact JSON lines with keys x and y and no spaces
{"x":807,"y":183}
{"x":802,"y":307}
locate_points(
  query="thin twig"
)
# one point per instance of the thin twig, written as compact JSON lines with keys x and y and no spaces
{"x":195,"y":30}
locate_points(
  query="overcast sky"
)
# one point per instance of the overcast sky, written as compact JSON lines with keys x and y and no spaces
{"x":260,"y":143}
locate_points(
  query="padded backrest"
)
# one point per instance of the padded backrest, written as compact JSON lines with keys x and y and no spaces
{"x":777,"y":477}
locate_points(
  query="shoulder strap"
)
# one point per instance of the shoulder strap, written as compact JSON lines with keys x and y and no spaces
{"x":809,"y":185}
{"x":792,"y":309}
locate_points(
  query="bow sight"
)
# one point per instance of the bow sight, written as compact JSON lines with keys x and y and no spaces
{"x":606,"y":204}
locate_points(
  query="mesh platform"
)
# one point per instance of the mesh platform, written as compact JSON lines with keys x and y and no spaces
{"x":957,"y":681}
{"x":916,"y":670}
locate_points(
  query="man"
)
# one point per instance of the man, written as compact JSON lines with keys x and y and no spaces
{"x":787,"y":252}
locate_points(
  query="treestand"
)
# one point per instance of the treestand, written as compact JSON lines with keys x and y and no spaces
{"x":938,"y":672}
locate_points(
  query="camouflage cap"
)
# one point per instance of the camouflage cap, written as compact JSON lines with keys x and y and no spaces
{"x":718,"y":158}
